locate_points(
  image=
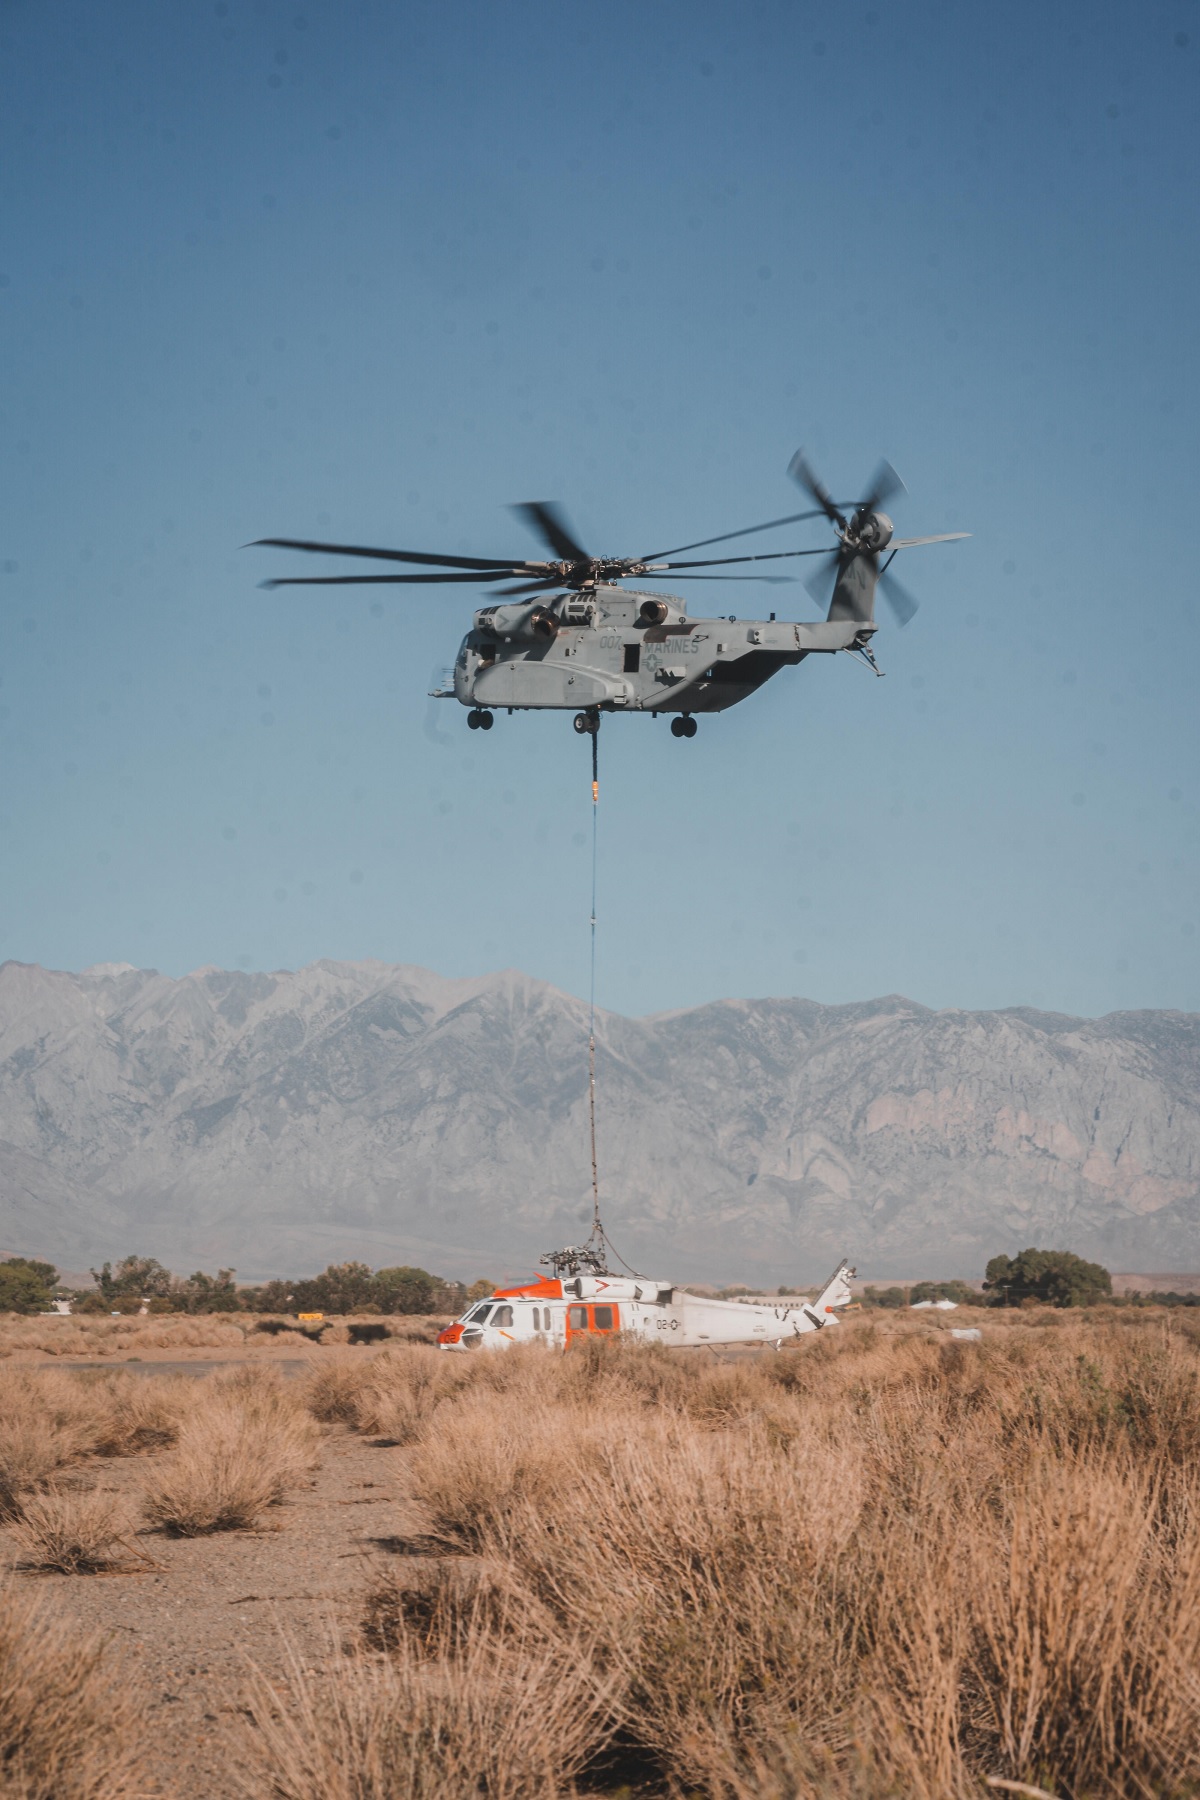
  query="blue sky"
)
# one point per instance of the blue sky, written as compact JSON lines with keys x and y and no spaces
{"x":371,"y":272}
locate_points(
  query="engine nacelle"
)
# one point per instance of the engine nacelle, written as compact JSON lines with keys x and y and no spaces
{"x":532,"y":624}
{"x":653,"y":612}
{"x":875,"y":532}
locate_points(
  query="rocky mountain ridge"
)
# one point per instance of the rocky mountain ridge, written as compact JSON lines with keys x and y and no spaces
{"x":280,"y":1121}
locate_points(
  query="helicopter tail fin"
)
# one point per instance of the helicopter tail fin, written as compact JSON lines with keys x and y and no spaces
{"x":835,"y":1294}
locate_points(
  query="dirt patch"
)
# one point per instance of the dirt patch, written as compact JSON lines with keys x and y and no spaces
{"x":185,"y":1630}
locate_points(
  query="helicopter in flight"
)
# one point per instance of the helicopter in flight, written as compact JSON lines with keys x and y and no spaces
{"x":566,"y":634}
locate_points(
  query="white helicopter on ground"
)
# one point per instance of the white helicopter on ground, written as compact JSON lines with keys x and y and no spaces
{"x":582,"y":1299}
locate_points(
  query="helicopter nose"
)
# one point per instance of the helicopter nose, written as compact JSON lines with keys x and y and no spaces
{"x":451,"y":1334}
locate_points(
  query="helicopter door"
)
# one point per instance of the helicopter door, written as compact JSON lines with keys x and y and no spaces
{"x":584,"y":1321}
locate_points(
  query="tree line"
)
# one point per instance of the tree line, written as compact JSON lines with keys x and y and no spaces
{"x":27,"y":1286}
{"x":1032,"y":1277}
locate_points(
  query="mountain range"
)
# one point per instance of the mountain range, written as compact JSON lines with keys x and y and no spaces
{"x":277,"y":1122}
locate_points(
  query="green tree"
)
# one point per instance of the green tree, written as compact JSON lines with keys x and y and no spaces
{"x":26,"y":1286}
{"x":405,"y":1290}
{"x":891,"y":1297}
{"x":142,"y":1276}
{"x":479,"y":1290}
{"x":1053,"y":1277}
{"x":202,"y":1293}
{"x":272,"y":1297}
{"x":341,"y":1289}
{"x":958,"y":1291}
{"x":89,"y":1303}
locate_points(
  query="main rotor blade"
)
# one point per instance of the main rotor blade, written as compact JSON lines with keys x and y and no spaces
{"x":402,"y":556}
{"x":792,"y":519}
{"x":775,"y":580}
{"x":820,"y":582}
{"x":716,"y":562}
{"x":376,"y":580}
{"x":943,"y":537}
{"x":885,"y":484}
{"x":800,"y":472}
{"x":528,"y":587}
{"x":549,"y":523}
{"x":898,"y":598}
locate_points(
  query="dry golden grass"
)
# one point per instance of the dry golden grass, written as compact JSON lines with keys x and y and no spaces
{"x":505,"y":1712}
{"x":83,"y":1334}
{"x":51,"y":1419}
{"x":99,"y":1335}
{"x":392,"y":1394}
{"x":68,"y":1729}
{"x":884,"y":1563}
{"x":48,"y":1420}
{"x":73,"y":1531}
{"x":244,"y":1442}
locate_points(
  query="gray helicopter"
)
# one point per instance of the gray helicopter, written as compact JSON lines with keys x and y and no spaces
{"x":567,"y":636}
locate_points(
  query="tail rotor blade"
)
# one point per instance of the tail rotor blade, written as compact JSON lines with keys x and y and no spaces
{"x":820,"y":582}
{"x":803,"y":474}
{"x":885,"y":483}
{"x":898,"y":598}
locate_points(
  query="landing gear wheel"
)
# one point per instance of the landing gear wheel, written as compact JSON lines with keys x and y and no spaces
{"x":473,"y":719}
{"x":587,"y":722}
{"x":486,"y":721}
{"x":689,"y":726}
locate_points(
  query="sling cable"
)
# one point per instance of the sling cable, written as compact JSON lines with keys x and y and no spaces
{"x":599,"y":1241}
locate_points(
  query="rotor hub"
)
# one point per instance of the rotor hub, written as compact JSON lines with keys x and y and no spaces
{"x":871,"y":531}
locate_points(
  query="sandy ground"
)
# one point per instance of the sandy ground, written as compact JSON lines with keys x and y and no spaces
{"x":186,"y":1628}
{"x":290,"y":1350}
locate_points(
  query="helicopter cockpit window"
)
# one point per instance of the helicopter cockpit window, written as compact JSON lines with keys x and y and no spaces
{"x":602,"y":1318}
{"x":577,"y":1318}
{"x":502,"y":1315}
{"x":478,"y":1314}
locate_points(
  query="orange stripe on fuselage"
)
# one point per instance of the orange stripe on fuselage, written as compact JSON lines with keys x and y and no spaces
{"x":540,"y":1289}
